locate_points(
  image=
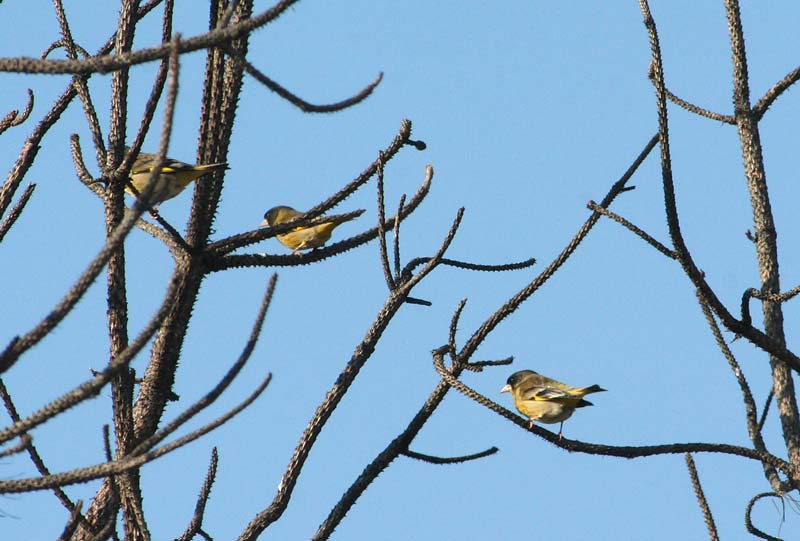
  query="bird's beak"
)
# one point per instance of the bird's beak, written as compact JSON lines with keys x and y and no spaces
{"x":264,"y":223}
{"x":506,"y":388}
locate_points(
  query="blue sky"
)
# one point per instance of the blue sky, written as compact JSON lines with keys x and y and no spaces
{"x":529,"y":110}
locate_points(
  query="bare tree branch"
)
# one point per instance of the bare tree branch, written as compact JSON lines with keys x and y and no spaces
{"x":513,"y":303}
{"x":775,"y":92}
{"x":748,"y":521}
{"x":14,"y":118}
{"x":610,"y":450}
{"x":115,"y":467}
{"x":335,"y":395}
{"x":766,"y":342}
{"x":751,"y":411}
{"x":298,"y":102}
{"x":35,"y":457}
{"x":114,"y":63}
{"x":16,"y":211}
{"x":635,"y":230}
{"x":72,"y":524}
{"x":384,"y":253}
{"x":692,"y":108}
{"x":701,"y":499}
{"x":766,"y":236}
{"x":449,"y":460}
{"x":195,"y":526}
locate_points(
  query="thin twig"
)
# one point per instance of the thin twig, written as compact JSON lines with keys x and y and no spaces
{"x":764,"y":296}
{"x":636,"y":230}
{"x":417,"y":261}
{"x":196,"y":524}
{"x":118,"y":466}
{"x":33,"y":453}
{"x":80,"y":81}
{"x":751,"y":411}
{"x":701,"y":499}
{"x":775,"y":92}
{"x":748,"y":522}
{"x":20,"y":344}
{"x":513,"y":303}
{"x":72,"y":523}
{"x":449,"y":460}
{"x":478,"y":366}
{"x":14,"y":118}
{"x":297,"y":101}
{"x":765,"y":411}
{"x":454,"y":323}
{"x":224,"y":383}
{"x":16,"y":211}
{"x":384,"y":254}
{"x":93,"y":386}
{"x":727,"y":119}
{"x":396,"y":231}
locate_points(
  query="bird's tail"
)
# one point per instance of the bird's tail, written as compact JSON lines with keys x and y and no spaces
{"x":210,"y":166}
{"x":336,"y":221}
{"x":589,"y":390}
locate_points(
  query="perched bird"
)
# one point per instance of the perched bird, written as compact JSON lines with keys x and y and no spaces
{"x":302,"y":237}
{"x":544,"y":399}
{"x":174,"y":176}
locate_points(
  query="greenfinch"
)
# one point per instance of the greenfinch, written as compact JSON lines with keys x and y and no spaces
{"x":174,"y":176}
{"x":546,"y":400}
{"x":302,"y":237}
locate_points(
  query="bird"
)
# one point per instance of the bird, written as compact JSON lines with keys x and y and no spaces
{"x":546,"y":400}
{"x":303,"y":237}
{"x":173,"y":178}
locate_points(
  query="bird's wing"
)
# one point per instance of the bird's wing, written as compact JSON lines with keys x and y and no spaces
{"x":542,"y":392}
{"x":172,"y":166}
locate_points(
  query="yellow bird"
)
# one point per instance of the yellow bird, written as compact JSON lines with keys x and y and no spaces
{"x":303,"y":237}
{"x":544,"y":399}
{"x":172,"y":179}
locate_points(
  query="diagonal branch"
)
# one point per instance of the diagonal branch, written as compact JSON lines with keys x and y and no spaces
{"x":14,"y":118}
{"x":92,"y":387}
{"x":513,"y":303}
{"x":701,"y":499}
{"x":631,"y":227}
{"x":297,"y":101}
{"x":333,"y":398}
{"x":398,"y":446}
{"x":751,"y":411}
{"x":775,"y":92}
{"x":20,"y":344}
{"x":195,"y":526}
{"x":36,"y":458}
{"x":16,"y":211}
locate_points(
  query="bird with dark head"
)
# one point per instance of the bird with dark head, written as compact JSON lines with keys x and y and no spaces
{"x":302,"y":237}
{"x":546,"y":400}
{"x":172,"y":178}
